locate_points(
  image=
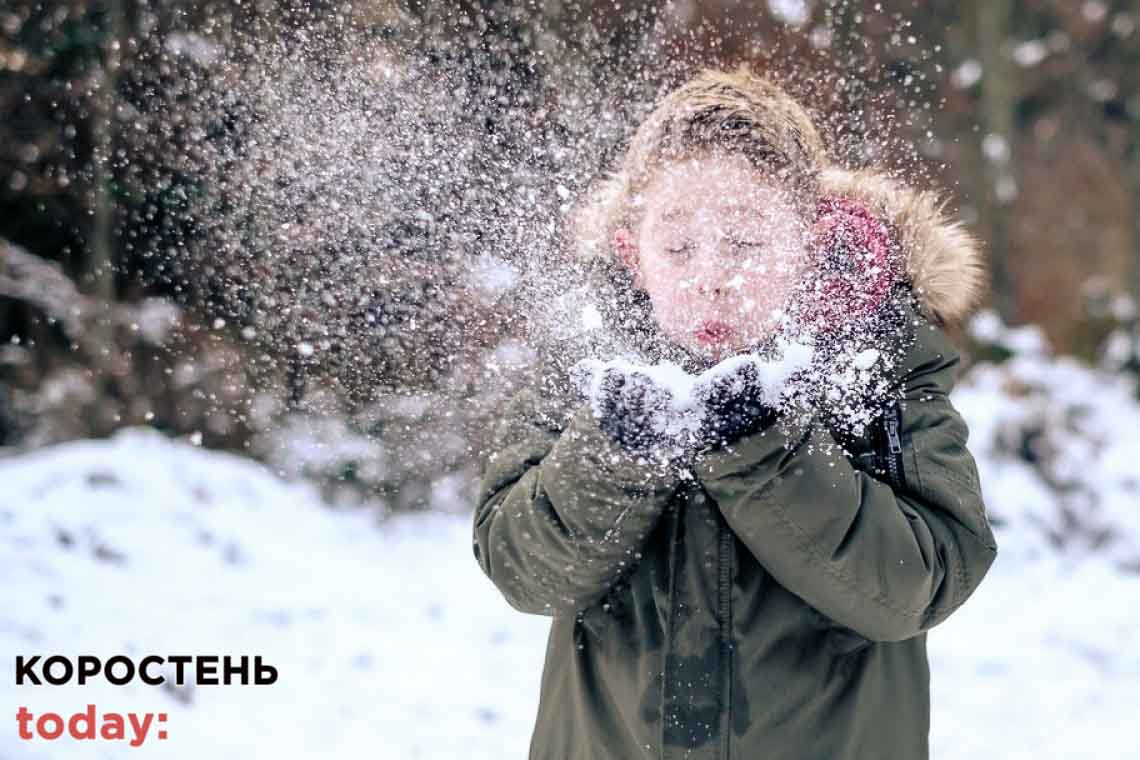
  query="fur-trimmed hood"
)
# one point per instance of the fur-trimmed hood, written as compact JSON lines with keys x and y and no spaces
{"x":942,"y":261}
{"x":753,"y":115}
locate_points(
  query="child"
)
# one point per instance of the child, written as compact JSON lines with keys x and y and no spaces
{"x":760,"y":589}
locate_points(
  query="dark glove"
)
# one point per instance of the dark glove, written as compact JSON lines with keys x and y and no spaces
{"x":734,"y":406}
{"x":630,"y":404}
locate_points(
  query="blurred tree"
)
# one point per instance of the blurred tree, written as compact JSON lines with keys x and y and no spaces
{"x":990,"y":23}
{"x":97,"y":268}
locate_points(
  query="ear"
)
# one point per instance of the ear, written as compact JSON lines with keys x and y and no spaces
{"x":626,"y":249}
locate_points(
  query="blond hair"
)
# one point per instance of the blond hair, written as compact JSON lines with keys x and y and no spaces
{"x":734,"y":111}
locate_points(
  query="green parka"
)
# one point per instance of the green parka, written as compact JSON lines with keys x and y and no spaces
{"x":769,"y":603}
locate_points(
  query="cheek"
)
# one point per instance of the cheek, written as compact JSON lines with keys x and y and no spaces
{"x":775,"y":277}
{"x":761,"y":296}
{"x":668,"y":301}
{"x":672,"y":303}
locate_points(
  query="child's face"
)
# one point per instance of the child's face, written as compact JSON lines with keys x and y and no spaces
{"x":718,"y":252}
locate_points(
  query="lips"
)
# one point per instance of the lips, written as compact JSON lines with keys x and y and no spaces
{"x":713,"y":331}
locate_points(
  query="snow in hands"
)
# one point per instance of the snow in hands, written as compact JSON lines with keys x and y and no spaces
{"x":675,"y":408}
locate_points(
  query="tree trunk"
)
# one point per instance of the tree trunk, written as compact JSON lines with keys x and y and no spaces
{"x":96,"y":275}
{"x":990,"y":22}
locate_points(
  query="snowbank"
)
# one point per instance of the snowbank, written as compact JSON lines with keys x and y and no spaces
{"x":389,"y":641}
{"x":1057,"y":449}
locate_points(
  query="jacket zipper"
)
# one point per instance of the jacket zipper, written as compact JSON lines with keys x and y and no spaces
{"x":894,"y":445}
{"x":725,"y":594}
{"x":675,"y":528}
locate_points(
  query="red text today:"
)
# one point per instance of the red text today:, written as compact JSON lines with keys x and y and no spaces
{"x":86,"y":725}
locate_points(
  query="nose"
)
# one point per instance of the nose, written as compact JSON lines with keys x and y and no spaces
{"x":708,"y":290}
{"x":712,"y":278}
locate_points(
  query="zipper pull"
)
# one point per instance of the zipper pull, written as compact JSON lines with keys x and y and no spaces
{"x":893,"y":440}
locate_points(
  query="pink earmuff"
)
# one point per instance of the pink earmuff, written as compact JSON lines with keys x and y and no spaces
{"x":857,"y":262}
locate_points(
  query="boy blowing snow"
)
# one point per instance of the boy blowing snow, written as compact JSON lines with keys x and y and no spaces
{"x":739,"y":567}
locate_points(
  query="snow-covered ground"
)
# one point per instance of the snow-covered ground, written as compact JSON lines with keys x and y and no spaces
{"x":390,"y":643}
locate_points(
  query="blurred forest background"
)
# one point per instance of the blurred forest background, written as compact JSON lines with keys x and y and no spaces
{"x":302,"y":230}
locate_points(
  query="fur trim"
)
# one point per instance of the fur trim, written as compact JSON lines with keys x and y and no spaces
{"x":942,"y":260}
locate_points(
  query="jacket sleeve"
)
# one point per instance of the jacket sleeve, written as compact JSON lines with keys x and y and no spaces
{"x":562,"y":512}
{"x":889,"y":563}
